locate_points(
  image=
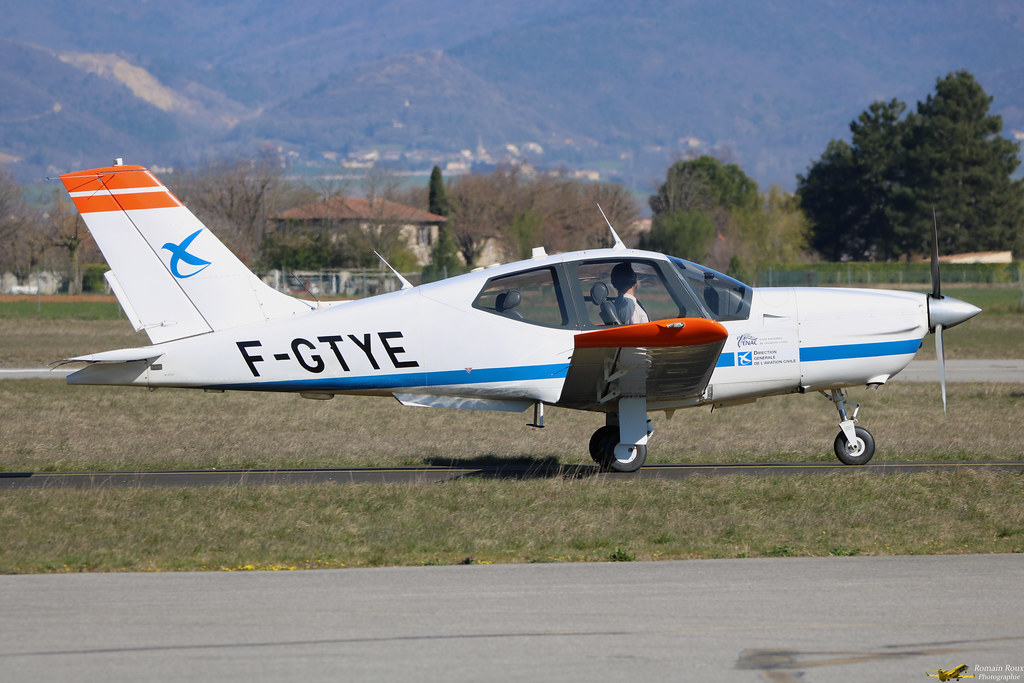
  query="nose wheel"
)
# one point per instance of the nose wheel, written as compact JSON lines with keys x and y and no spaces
{"x":853,"y":445}
{"x":855,"y":452}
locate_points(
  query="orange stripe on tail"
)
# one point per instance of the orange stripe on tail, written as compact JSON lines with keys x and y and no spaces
{"x":117,"y":188}
{"x":161,"y":199}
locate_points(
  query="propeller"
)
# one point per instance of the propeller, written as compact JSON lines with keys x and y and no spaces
{"x":940,"y":351}
{"x":944,"y":311}
{"x":936,"y":285}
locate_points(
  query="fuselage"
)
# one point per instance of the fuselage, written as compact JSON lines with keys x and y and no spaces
{"x":440,"y":339}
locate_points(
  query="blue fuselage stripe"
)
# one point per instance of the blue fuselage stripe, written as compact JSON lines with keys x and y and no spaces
{"x":409,"y":379}
{"x":850,"y":351}
{"x":841,"y":352}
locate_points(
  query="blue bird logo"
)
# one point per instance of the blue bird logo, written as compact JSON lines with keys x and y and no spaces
{"x":179,"y":253}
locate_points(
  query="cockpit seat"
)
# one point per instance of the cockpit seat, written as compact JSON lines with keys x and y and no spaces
{"x":505,"y":302}
{"x":599,"y":295}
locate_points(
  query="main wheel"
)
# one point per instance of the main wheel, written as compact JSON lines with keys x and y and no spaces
{"x":858,"y":452}
{"x":599,"y":443}
{"x":602,"y":450}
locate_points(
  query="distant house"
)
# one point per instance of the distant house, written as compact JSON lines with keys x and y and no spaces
{"x":418,"y":228}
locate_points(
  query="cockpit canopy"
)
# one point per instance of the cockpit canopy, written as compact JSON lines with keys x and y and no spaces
{"x":582,"y":294}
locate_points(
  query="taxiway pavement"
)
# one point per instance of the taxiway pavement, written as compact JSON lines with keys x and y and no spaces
{"x":787,"y":619}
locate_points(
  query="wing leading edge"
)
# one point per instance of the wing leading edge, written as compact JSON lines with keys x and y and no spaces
{"x":669,"y":362}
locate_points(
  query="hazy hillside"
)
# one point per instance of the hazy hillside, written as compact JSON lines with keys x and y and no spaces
{"x":623,"y":88}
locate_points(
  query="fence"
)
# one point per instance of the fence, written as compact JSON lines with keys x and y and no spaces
{"x":869,"y":274}
{"x":338,"y":283}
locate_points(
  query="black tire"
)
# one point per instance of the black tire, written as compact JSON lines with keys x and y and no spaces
{"x":602,"y":450}
{"x":600,"y":440}
{"x":613,"y":465}
{"x":859,"y":455}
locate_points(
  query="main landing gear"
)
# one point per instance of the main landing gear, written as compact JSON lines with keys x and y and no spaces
{"x":621,"y":445}
{"x":853,"y":445}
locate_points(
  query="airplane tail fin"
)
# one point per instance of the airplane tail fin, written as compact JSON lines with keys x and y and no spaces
{"x":172,"y":276}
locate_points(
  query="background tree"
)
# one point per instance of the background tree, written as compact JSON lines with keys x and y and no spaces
{"x":697,"y":203}
{"x":67,"y":233}
{"x":233,"y":198}
{"x":382,"y":232}
{"x":437,"y":196}
{"x":14,"y":226}
{"x":687,"y":234}
{"x":828,"y":195}
{"x":774,"y":232}
{"x":474,"y":215}
{"x":569,"y":214}
{"x":962,"y":167}
{"x":874,"y":198}
{"x":878,"y":146}
{"x":518,"y":211}
{"x":444,"y":257}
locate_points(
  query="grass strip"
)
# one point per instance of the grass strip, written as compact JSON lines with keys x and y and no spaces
{"x":483,"y":521}
{"x":62,"y":308}
{"x":47,"y":426}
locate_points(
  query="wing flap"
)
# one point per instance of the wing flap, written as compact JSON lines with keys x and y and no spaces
{"x":463,"y":402}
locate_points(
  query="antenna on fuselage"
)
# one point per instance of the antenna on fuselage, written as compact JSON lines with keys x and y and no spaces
{"x":618,"y":242}
{"x":405,"y":283}
{"x":305,"y":288}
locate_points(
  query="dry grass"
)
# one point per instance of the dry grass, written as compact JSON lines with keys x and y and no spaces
{"x":47,"y":426}
{"x":554,"y":520}
{"x":32,"y":343}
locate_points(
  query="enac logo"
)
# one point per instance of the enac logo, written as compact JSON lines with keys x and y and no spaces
{"x":179,"y":252}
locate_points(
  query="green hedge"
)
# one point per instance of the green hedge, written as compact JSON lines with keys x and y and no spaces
{"x":92,"y":278}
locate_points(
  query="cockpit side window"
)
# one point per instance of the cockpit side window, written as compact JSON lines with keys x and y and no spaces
{"x":599,"y":286}
{"x":723,"y":297}
{"x":532,"y":296}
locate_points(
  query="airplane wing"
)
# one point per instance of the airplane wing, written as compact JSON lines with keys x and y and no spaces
{"x":668,"y":361}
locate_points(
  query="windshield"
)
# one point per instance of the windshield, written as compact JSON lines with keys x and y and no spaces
{"x":724,"y":297}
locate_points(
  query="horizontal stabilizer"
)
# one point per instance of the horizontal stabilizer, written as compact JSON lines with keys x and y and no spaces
{"x":149,"y":353}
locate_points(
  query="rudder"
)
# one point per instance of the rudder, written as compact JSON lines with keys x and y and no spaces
{"x":173,"y":277}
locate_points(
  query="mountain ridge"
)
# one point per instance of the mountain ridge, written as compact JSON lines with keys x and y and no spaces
{"x":622,"y":90}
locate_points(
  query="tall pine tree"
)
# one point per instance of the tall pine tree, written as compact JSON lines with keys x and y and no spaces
{"x":962,"y":168}
{"x":444,"y":257}
{"x":874,"y":197}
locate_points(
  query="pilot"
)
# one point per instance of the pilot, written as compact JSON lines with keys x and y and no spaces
{"x":627,"y":308}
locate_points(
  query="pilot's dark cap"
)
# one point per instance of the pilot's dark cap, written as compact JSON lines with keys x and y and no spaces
{"x":623,"y":277}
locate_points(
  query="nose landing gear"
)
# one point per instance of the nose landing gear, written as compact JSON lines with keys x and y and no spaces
{"x":853,"y":445}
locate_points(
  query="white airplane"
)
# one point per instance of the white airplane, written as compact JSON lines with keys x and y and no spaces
{"x":615,"y":331}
